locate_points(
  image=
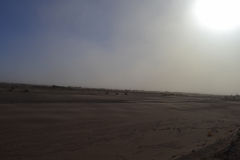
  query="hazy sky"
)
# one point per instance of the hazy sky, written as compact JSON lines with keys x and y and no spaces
{"x":126,"y":44}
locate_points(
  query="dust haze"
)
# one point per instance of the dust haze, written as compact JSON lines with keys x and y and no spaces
{"x":157,"y":45}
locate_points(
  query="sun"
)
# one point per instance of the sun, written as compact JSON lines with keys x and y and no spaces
{"x":218,"y":15}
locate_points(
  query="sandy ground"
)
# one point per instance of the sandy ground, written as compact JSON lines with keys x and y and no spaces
{"x":64,"y":126}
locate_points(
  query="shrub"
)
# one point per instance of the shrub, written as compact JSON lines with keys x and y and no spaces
{"x":26,"y":91}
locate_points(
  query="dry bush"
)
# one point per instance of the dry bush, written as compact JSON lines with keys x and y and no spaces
{"x":26,"y":91}
{"x":209,"y":134}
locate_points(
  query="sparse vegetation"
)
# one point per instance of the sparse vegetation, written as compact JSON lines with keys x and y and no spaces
{"x":54,"y":86}
{"x":232,"y":98}
{"x":26,"y":91}
{"x":11,"y":89}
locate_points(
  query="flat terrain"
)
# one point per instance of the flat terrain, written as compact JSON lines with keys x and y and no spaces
{"x":50,"y":123}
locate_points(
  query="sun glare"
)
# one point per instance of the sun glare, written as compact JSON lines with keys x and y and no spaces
{"x":218,"y":15}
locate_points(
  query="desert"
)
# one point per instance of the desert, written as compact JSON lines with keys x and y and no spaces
{"x":51,"y":122}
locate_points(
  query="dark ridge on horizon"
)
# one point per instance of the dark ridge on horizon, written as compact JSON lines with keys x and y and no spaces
{"x":68,"y":87}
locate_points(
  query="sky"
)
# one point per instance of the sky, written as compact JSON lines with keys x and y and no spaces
{"x":120,"y":44}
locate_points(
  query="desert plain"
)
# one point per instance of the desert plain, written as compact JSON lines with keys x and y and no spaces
{"x":65,"y":123}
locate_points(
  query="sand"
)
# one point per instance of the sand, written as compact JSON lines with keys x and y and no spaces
{"x":65,"y":124}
